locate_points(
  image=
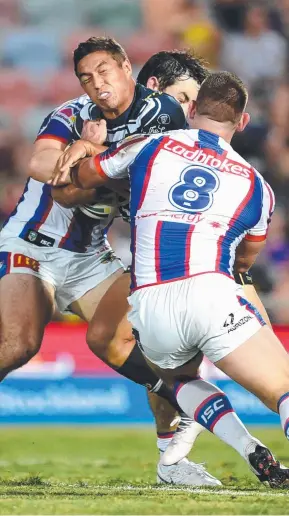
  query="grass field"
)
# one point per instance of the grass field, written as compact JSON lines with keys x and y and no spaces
{"x":113,"y":471}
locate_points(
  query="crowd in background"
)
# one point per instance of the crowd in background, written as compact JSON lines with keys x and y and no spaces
{"x":251,"y":38}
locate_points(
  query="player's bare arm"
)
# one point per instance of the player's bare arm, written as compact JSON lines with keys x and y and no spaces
{"x":246,"y":254}
{"x":46,"y":153}
{"x":70,"y":158}
{"x":70,"y":196}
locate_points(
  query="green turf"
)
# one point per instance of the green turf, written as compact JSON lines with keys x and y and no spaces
{"x":113,"y":470}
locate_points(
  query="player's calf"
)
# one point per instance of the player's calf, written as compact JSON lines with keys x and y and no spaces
{"x":210,"y":407}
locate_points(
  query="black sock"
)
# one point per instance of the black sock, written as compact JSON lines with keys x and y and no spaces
{"x":136,"y":369}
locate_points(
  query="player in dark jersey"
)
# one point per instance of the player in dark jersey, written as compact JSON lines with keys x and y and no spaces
{"x":148,"y":112}
{"x":39,"y":222}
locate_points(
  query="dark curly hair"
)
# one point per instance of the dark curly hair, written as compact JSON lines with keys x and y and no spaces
{"x":169,"y":66}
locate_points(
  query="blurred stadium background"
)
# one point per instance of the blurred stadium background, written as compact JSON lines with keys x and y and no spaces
{"x":65,"y":383}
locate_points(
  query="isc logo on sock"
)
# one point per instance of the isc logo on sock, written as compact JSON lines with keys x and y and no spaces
{"x":212,"y":409}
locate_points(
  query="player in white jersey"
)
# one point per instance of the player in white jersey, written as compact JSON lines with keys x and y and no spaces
{"x":54,"y":254}
{"x":180,"y":74}
{"x":197,"y":209}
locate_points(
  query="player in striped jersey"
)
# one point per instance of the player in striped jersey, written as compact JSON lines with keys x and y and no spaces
{"x":198,"y":210}
{"x":178,"y":73}
{"x":54,"y":253}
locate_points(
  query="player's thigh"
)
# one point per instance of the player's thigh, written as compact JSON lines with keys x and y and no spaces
{"x":26,"y":305}
{"x":86,"y":306}
{"x":110,"y":314}
{"x":261,"y":365}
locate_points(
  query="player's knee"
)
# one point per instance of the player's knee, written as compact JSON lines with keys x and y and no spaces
{"x":98,"y":338}
{"x":17,"y":348}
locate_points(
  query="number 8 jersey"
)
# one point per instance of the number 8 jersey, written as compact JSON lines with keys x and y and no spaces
{"x":193,"y":199}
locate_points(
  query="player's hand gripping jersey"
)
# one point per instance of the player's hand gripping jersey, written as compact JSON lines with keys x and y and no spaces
{"x":40,"y":220}
{"x":193,"y":199}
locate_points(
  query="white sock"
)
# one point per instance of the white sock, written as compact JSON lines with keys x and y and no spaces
{"x":210,"y":407}
{"x":283,"y":408}
{"x":164,"y":440}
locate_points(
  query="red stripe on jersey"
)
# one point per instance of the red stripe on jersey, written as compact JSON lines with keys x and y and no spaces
{"x":132,"y":141}
{"x":45,"y":214}
{"x":163,"y":141}
{"x":51,"y":137}
{"x":233,"y":219}
{"x":188,"y":249}
{"x":157,"y":250}
{"x":98,"y":167}
{"x":67,"y":234}
{"x":255,"y":238}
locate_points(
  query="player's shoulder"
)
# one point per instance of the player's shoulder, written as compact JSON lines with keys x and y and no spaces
{"x":63,"y":116}
{"x":147,"y":96}
{"x":71,"y":107}
{"x":67,"y":112}
{"x":158,"y":112}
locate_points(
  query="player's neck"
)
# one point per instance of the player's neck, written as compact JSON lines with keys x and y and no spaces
{"x":223,"y":130}
{"x":115,"y":113}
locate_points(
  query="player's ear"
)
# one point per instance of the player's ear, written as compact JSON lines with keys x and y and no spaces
{"x":127,"y":67}
{"x":245,"y":119}
{"x":153,"y":83}
{"x":192,"y":110}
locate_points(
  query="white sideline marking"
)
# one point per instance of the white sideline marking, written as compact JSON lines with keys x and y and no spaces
{"x":180,"y":489}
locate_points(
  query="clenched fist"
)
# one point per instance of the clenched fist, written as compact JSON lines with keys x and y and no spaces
{"x":94,"y":131}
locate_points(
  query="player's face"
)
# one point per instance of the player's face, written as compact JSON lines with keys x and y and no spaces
{"x":184,"y":90}
{"x":108,"y":83}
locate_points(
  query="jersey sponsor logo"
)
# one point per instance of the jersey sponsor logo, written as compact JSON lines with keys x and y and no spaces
{"x":36,"y":238}
{"x":207,"y":157}
{"x":154,"y":129}
{"x":229,"y":322}
{"x":164,"y":118}
{"x":32,"y":236}
{"x":66,"y":115}
{"x":181,"y":217}
{"x":19,"y":260}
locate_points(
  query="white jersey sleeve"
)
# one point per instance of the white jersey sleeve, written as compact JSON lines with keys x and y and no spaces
{"x":115,"y":161}
{"x":259,"y":231}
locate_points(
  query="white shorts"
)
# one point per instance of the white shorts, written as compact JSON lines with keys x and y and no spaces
{"x":71,"y":274}
{"x":205,"y":313}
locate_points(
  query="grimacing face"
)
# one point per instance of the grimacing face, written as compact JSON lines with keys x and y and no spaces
{"x":185,"y":90}
{"x":107,"y":82}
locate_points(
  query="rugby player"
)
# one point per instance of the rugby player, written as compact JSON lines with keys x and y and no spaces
{"x":52,"y":254}
{"x":197,"y":207}
{"x":180,"y":74}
